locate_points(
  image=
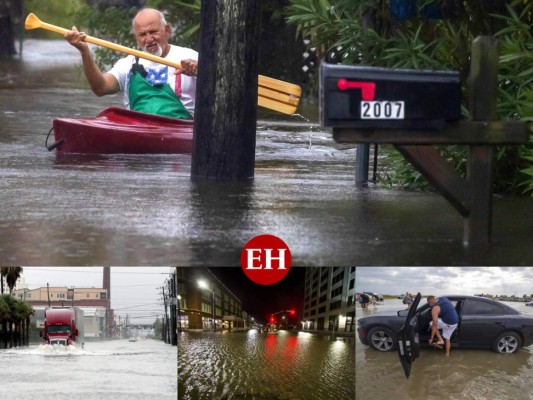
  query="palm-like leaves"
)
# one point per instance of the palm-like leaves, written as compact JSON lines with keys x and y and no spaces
{"x":363,"y":32}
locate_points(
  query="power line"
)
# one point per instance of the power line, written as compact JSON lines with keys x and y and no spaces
{"x":94,"y":272}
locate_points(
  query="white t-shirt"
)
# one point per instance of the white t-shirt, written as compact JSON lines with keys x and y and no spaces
{"x":183,"y":85}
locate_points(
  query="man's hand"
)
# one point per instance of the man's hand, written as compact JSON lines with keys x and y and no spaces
{"x":77,"y":39}
{"x":189,"y":67}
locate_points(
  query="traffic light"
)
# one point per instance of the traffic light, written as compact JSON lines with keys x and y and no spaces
{"x":292,"y":312}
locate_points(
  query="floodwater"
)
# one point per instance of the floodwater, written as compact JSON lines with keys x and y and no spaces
{"x":466,"y":374}
{"x":269,"y":366}
{"x":112,"y":370}
{"x":144,"y":209}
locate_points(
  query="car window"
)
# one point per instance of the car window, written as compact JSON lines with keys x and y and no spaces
{"x":476,"y":307}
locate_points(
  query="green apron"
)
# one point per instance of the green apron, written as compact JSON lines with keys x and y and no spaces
{"x":158,"y":100}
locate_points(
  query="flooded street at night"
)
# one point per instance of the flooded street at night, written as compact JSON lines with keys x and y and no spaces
{"x":112,"y":370}
{"x":271,"y":366}
{"x":144,"y":209}
{"x":466,"y":374}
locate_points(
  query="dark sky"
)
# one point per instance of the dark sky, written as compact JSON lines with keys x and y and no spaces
{"x":259,"y":300}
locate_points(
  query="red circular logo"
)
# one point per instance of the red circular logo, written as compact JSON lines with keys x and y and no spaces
{"x":266,"y":259}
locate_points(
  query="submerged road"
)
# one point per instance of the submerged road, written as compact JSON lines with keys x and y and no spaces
{"x":144,"y":210}
{"x":112,"y":370}
{"x":269,"y":366}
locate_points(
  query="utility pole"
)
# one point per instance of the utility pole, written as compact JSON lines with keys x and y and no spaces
{"x":166,"y":330}
{"x":48,"y":290}
{"x":173,"y":322}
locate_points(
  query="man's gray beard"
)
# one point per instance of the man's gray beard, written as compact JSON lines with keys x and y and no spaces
{"x":157,"y":53}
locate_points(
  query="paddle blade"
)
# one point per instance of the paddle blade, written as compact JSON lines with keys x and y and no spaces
{"x":277,"y":95}
{"x":32,"y":22}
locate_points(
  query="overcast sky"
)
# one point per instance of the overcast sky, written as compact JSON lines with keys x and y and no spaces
{"x":445,"y":280}
{"x":134,"y":290}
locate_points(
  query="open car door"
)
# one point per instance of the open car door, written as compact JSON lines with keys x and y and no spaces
{"x":408,"y":338}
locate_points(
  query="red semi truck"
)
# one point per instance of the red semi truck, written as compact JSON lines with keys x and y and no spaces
{"x":60,"y":326}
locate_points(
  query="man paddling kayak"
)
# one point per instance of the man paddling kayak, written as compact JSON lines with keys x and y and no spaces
{"x":148,"y":87}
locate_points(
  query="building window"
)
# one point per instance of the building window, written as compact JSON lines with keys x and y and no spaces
{"x":322,"y":309}
{"x":206,"y":308}
{"x":349,"y":302}
{"x":338,"y":278}
{"x":322,"y":299}
{"x":352,"y":270}
{"x":335,"y":305}
{"x":336,"y":292}
{"x":182,"y":303}
{"x":103,"y":295}
{"x":323,"y":287}
{"x":352,"y":284}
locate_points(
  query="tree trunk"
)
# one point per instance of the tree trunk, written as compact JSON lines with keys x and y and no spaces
{"x":27,"y":331}
{"x":10,"y":334}
{"x":2,"y":336}
{"x":226,"y":94}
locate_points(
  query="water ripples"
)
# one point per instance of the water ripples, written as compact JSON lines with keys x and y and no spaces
{"x":272,"y":366}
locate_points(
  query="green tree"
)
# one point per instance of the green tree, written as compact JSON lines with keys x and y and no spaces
{"x":11,"y":274}
{"x":15,"y":318}
{"x":366,"y":32}
{"x":158,"y":329}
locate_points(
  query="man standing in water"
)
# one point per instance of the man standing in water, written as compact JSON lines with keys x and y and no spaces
{"x":147,"y":86}
{"x":444,"y":317}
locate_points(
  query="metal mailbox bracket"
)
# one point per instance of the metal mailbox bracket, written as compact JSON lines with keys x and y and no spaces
{"x":472,"y":195}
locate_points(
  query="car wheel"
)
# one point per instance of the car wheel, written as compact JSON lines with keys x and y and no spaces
{"x":382,"y":339}
{"x":507,"y":343}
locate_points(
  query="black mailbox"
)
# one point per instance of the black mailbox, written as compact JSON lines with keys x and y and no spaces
{"x":372,"y":97}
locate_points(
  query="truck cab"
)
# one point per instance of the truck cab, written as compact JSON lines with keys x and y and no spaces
{"x":60,"y":326}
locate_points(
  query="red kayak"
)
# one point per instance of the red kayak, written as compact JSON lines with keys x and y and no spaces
{"x":116,"y":130}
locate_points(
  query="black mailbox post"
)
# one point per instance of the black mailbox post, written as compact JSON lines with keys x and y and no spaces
{"x":415,"y":110}
{"x":370,"y":97}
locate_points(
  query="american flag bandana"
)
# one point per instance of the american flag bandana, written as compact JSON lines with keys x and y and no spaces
{"x":157,"y":76}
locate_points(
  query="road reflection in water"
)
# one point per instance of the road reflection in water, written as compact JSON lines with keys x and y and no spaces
{"x":466,"y":374}
{"x":281,"y":365}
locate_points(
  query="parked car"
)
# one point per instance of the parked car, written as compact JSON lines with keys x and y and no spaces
{"x":529,"y":303}
{"x":483,"y":323}
{"x":378,"y":297}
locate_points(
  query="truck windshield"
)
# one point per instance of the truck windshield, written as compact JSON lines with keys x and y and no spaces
{"x":59,"y":329}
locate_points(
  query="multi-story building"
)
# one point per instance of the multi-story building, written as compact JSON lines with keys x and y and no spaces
{"x":202,"y":296}
{"x":329,"y":299}
{"x":58,"y":295}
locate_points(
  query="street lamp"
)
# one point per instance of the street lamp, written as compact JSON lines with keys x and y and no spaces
{"x":203,"y":285}
{"x":179,"y":317}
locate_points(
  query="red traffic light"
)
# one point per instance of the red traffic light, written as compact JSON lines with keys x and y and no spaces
{"x":272,"y":320}
{"x":292,"y":312}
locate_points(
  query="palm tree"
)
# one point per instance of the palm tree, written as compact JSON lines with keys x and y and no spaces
{"x":12,"y":275}
{"x":5,"y":315}
{"x":3,"y":272}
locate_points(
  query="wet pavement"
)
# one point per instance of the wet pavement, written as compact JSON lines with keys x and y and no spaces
{"x":144,"y":209}
{"x":465,"y":375}
{"x":112,"y":370}
{"x":271,"y":366}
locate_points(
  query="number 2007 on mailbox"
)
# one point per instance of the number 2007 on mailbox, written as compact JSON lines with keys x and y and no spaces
{"x":382,"y":110}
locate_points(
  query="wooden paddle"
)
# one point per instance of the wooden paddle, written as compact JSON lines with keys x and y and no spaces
{"x":272,"y":93}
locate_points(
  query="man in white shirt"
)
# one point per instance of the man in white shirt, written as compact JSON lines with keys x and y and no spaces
{"x":167,"y":84}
